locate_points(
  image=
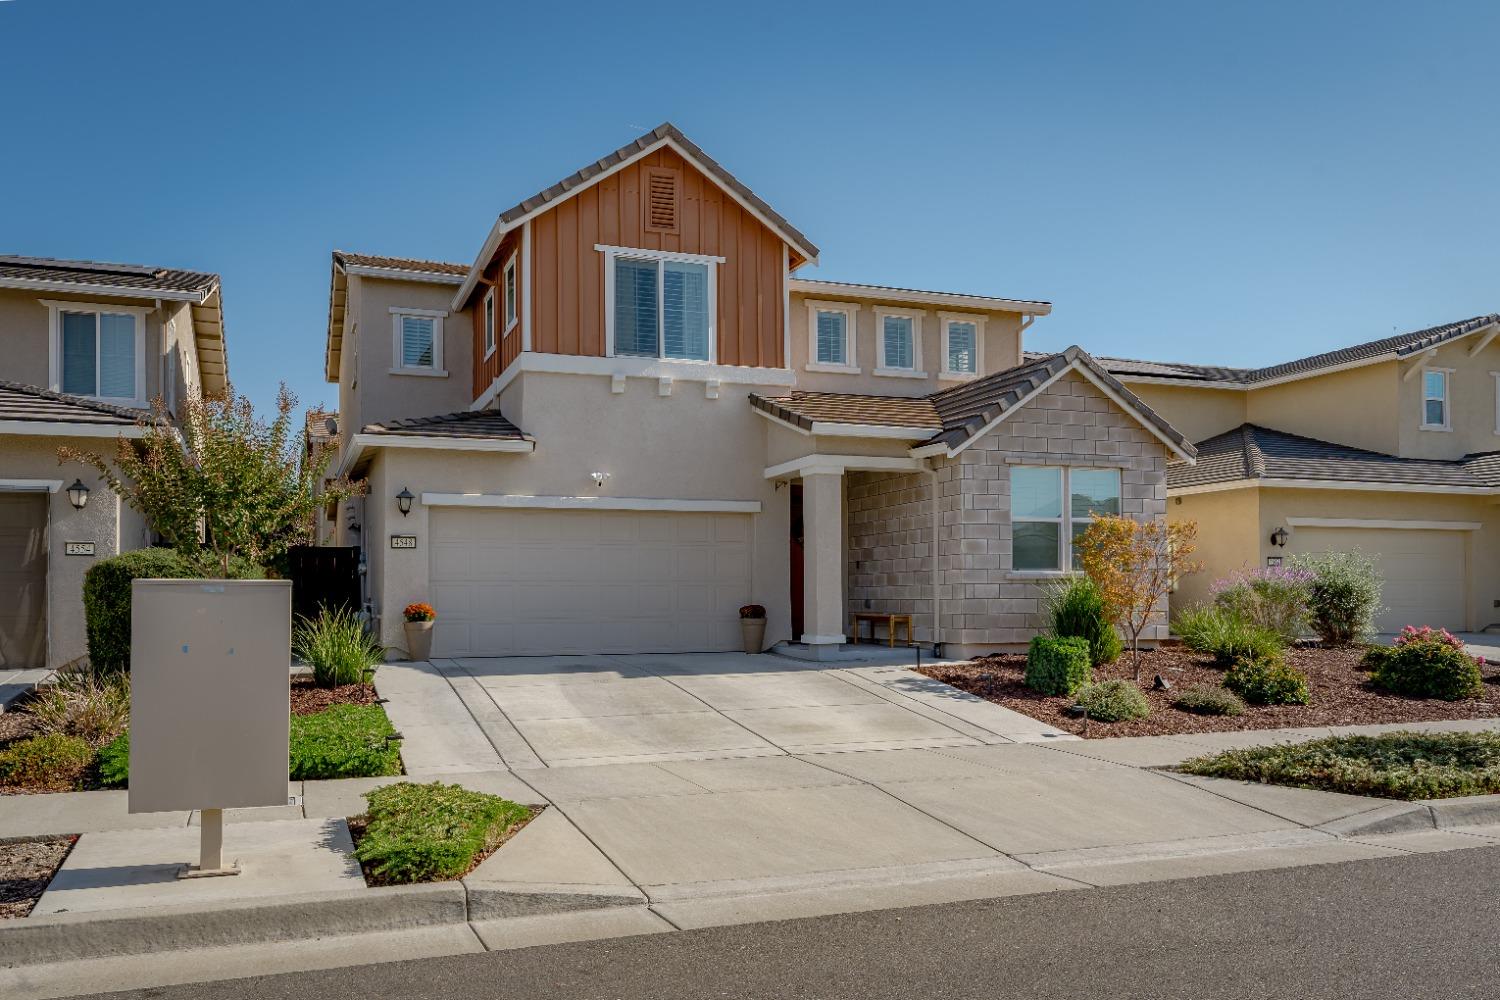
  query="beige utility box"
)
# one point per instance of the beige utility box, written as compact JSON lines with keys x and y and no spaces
{"x":209,"y":704}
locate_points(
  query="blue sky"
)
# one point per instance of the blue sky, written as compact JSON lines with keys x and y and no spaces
{"x":1232,"y":183}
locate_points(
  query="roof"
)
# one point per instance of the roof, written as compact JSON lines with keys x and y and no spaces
{"x":470,"y":424}
{"x":890,"y":293}
{"x":957,"y":415}
{"x":1403,"y":345}
{"x":346,"y":262}
{"x":1252,"y":452}
{"x":128,"y":280}
{"x":418,"y":268}
{"x":33,"y":404}
{"x":665,"y":133}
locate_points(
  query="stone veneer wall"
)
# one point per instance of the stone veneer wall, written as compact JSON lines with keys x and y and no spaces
{"x":890,"y":545}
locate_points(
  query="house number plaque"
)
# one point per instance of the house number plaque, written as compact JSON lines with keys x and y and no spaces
{"x":78,"y":548}
{"x":403,"y":541}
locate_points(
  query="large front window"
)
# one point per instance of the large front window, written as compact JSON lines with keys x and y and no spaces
{"x":663,"y":307}
{"x":100,"y":354}
{"x":1051,"y":507}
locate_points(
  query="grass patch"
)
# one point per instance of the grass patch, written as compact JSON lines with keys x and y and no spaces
{"x":1401,"y":765}
{"x":433,"y":832}
{"x":345,"y":741}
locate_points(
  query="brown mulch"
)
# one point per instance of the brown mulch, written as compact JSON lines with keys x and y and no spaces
{"x":1341,"y":694}
{"x":26,"y":866}
{"x":358,"y":825}
{"x":308,"y":698}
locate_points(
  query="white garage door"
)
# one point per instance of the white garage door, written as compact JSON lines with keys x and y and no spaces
{"x":517,"y":582}
{"x":1424,"y":570}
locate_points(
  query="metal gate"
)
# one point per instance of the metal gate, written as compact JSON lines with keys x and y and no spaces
{"x":323,"y":576}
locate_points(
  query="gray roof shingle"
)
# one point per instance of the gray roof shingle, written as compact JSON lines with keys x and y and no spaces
{"x":415,"y":264}
{"x":474,"y":424}
{"x":22,"y":402}
{"x":127,"y":277}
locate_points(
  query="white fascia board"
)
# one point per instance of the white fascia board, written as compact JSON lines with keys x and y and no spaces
{"x":1392,"y":524}
{"x":439,"y":443}
{"x":652,"y":368}
{"x":874,"y":431}
{"x":512,"y":501}
{"x":401,"y":274}
{"x":48,"y":428}
{"x":813,"y":286}
{"x":118,"y":291}
{"x":1332,"y":484}
{"x":931,"y":451}
{"x":809,"y":465}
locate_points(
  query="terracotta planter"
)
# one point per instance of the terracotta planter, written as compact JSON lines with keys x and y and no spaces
{"x":753,"y":630}
{"x":418,"y":640}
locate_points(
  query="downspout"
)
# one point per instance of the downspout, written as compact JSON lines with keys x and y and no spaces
{"x":937,"y":599}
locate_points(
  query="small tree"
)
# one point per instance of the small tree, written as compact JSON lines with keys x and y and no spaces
{"x":1135,"y":565}
{"x":228,"y":484}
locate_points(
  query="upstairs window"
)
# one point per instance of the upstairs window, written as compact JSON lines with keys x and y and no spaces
{"x":489,"y":322}
{"x":418,"y":340}
{"x":1043,"y":526}
{"x":830,"y":327}
{"x":963,"y":345}
{"x":512,"y":308}
{"x":662,"y":304}
{"x":1435,"y":399}
{"x":899,"y":338}
{"x":100,"y":353}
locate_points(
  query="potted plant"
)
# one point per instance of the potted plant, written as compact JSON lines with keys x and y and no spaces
{"x":753,"y":627}
{"x":418,"y":625}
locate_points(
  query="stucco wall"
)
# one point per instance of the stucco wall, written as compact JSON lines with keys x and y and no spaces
{"x":1354,"y":407}
{"x":1471,"y":401}
{"x":1228,"y":529}
{"x":1198,"y":413}
{"x":385,"y":396}
{"x":24,"y":319}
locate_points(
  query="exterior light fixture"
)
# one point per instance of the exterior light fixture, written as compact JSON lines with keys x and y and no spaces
{"x":1279,"y":537}
{"x":599,"y":478}
{"x":403,"y":501}
{"x":78,"y":494}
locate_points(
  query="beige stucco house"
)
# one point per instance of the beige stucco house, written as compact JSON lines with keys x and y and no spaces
{"x":627,"y":417}
{"x":87,"y":346}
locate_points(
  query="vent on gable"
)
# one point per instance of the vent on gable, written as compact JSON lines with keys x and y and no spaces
{"x":661,"y":200}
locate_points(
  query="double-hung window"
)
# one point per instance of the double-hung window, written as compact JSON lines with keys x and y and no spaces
{"x":512,"y":307}
{"x":489,"y":322}
{"x":898,"y":337}
{"x":661,"y":305}
{"x":963,"y":345}
{"x":1435,"y":382}
{"x":99,"y":352}
{"x":831,"y":337}
{"x":1050,"y":507}
{"x":417,"y":345}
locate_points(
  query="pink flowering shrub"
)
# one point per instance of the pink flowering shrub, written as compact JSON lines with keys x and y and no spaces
{"x":1427,"y":633}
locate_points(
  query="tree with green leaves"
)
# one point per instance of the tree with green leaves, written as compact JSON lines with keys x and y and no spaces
{"x":222,"y":482}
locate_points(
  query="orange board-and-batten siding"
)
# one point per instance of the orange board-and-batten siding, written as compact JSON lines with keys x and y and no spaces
{"x":507,"y":348}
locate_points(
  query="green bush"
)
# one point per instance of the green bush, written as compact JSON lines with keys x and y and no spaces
{"x":1428,"y":669}
{"x":1076,"y":609}
{"x":1113,"y":701}
{"x":114,"y":762}
{"x":1275,"y":597}
{"x":106,"y":598}
{"x":1399,"y":765}
{"x":1057,"y":666}
{"x":425,"y":833}
{"x":337,"y":647}
{"x":49,"y":761}
{"x":1204,"y":699}
{"x":93,"y":706}
{"x":1221,"y":633}
{"x":345,"y":741}
{"x":1344,"y":596}
{"x":1268,"y":682}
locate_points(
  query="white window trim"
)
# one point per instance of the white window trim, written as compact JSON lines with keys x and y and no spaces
{"x":487,"y":318}
{"x":55,"y":309}
{"x":850,"y":365}
{"x":612,"y":252}
{"x":510,"y":282}
{"x":916,"y":316}
{"x":1064,"y":521}
{"x":945,"y":374}
{"x":437,"y":316}
{"x":1447,"y":424}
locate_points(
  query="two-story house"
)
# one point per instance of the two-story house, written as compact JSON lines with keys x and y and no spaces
{"x":1391,"y":447}
{"x":87,"y":347}
{"x":626,"y":418}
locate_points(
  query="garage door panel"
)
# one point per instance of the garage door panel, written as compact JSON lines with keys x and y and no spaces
{"x":731,"y":528}
{"x":1424,"y":571}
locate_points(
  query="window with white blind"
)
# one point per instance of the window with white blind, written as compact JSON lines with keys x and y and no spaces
{"x":1435,"y":399}
{"x":1050,"y":507}
{"x":99,"y":351}
{"x":831,"y":337}
{"x":418,"y":340}
{"x":963,"y":345}
{"x":898,"y":338}
{"x":662,"y":305}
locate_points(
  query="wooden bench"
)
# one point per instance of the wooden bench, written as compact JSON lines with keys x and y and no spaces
{"x":879,"y":616}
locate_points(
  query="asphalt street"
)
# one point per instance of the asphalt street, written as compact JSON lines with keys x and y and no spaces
{"x":1411,"y":927}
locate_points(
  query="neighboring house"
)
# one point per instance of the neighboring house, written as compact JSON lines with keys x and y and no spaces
{"x":626,"y":418}
{"x":87,"y":346}
{"x":318,"y":432}
{"x":1391,"y":447}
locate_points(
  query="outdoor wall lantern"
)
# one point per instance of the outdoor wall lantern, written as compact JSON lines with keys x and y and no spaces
{"x":1279,"y":537}
{"x":78,"y":494}
{"x":403,"y":500}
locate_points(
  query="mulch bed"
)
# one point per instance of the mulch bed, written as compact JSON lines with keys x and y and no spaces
{"x":1341,"y":694}
{"x":26,"y":866}
{"x":308,"y":698}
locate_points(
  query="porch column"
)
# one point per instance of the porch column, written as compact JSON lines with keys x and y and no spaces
{"x":823,"y":606}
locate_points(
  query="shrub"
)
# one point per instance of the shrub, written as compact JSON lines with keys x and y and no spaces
{"x":337,"y":647}
{"x":1224,"y":635}
{"x":93,"y":706}
{"x":345,"y":741}
{"x":1077,"y":609}
{"x":114,"y":762}
{"x":1057,"y":666}
{"x":1203,"y":699}
{"x":1400,"y":765}
{"x":1274,"y":598}
{"x":1268,"y":682}
{"x":1344,"y":596}
{"x":49,"y":761}
{"x":106,"y":598}
{"x":1426,"y":667}
{"x":1113,"y":701}
{"x":424,"y":833}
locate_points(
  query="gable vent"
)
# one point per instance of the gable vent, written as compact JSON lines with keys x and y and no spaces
{"x":661,"y":200}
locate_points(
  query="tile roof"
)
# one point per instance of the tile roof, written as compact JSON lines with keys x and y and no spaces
{"x":807,"y":408}
{"x":18,"y":271}
{"x":348,"y":258}
{"x":472,"y":424}
{"x":1254,"y":452}
{"x":31,"y":403}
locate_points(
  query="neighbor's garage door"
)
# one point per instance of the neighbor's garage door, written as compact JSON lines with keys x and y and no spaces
{"x":23,"y":580}
{"x":1424,"y":570}
{"x":516,"y":582}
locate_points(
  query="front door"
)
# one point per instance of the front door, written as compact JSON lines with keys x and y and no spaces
{"x":23,"y":580}
{"x":796,"y":553}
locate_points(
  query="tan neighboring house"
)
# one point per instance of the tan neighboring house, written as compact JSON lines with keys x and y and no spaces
{"x":626,"y":418}
{"x":1391,"y":447}
{"x":87,"y":346}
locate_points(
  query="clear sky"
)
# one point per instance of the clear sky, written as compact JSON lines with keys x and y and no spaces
{"x":1237,"y":183}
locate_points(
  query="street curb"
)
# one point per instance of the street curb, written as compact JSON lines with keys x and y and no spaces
{"x":1412,"y":817}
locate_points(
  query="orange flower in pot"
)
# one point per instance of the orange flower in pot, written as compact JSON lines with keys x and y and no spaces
{"x":418,"y":625}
